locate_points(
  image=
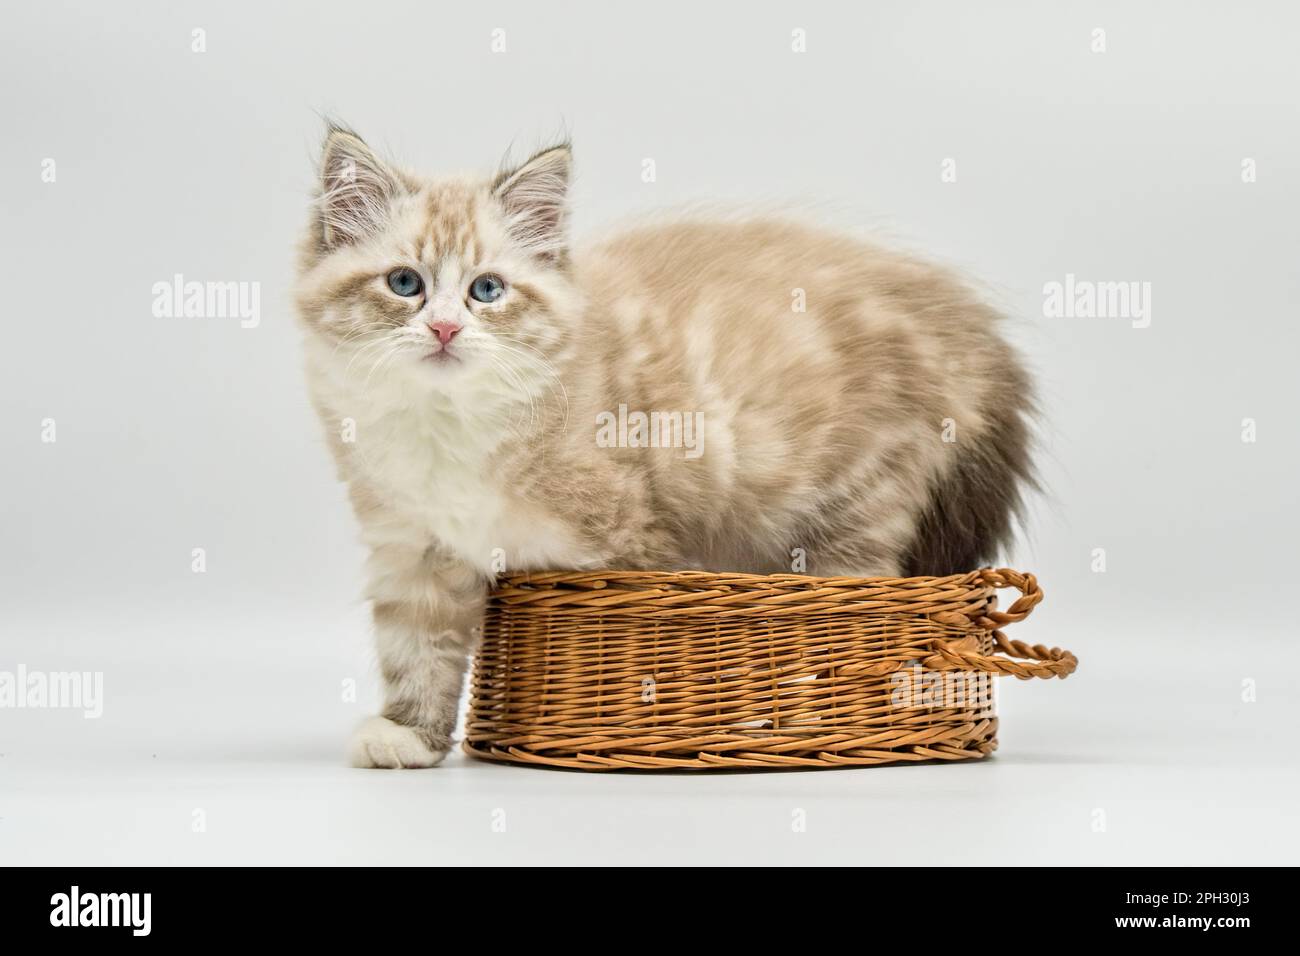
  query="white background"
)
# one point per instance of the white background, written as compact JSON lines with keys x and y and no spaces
{"x":223,"y":689}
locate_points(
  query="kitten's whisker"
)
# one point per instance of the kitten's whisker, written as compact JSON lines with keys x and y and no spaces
{"x":396,"y":350}
{"x":553,"y":375}
{"x":513,"y":375}
{"x":369,"y":348}
{"x":519,"y":384}
{"x":358,"y":337}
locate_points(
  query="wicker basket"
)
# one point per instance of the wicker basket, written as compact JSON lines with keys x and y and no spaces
{"x":681,"y":671}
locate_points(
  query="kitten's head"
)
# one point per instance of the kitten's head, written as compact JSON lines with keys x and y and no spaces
{"x":455,"y":285}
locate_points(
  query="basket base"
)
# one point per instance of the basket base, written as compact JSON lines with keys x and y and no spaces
{"x":977,"y":746}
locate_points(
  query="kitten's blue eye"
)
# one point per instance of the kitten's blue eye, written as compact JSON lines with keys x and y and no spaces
{"x":487,"y":288}
{"x":405,"y":282}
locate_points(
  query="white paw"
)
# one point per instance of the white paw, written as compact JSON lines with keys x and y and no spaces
{"x":379,"y":742}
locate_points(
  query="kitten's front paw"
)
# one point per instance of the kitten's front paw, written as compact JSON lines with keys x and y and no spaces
{"x":379,"y":742}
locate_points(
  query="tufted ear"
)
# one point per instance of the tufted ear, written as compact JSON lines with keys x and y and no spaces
{"x":356,"y":189}
{"x":534,"y":199}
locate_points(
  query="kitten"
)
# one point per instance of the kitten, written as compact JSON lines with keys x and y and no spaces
{"x":847,"y":406}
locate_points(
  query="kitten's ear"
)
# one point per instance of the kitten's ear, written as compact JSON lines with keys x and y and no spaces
{"x":356,"y":189}
{"x":534,"y":199}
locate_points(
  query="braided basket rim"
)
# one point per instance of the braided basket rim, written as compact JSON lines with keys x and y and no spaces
{"x":693,"y":592}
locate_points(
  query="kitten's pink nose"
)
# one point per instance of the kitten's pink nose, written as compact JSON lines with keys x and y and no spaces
{"x":446,"y":331}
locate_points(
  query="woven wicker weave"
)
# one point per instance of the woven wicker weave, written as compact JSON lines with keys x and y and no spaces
{"x":655,"y":670}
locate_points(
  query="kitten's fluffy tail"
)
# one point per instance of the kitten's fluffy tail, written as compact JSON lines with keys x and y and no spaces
{"x":973,"y":508}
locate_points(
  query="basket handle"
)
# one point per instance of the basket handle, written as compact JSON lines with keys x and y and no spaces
{"x":1034,"y":660}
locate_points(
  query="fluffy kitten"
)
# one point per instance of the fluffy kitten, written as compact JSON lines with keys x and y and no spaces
{"x":856,"y":408}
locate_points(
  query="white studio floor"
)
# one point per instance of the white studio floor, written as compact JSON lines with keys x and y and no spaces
{"x":209,"y":753}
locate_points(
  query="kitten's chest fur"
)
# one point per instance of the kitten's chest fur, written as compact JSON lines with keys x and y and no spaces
{"x":440,"y":475}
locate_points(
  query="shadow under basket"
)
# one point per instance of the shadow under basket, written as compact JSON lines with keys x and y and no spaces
{"x":644,"y":670}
